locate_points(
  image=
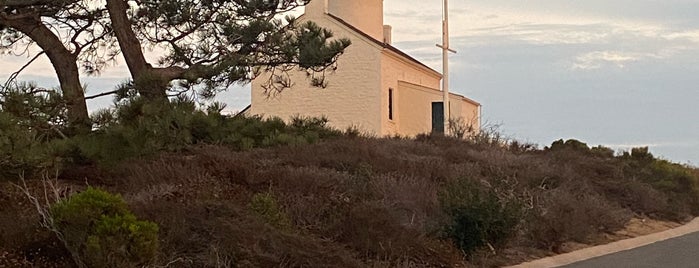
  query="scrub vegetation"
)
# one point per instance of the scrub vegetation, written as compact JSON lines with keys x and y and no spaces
{"x":185,"y":186}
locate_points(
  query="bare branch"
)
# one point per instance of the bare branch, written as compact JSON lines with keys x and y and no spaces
{"x":102,"y":94}
{"x":14,"y":75}
{"x":52,"y":193}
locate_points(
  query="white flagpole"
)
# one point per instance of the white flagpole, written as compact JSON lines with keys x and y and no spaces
{"x":445,"y":68}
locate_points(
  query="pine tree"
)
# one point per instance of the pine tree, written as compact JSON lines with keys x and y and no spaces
{"x":215,"y":43}
{"x":70,"y":33}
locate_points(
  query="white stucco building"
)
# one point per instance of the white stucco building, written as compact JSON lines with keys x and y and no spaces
{"x":376,"y":88}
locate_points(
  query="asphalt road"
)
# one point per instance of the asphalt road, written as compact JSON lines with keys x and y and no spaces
{"x":677,"y":252}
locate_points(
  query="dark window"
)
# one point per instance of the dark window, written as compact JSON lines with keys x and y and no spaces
{"x":438,"y":117}
{"x":390,"y":104}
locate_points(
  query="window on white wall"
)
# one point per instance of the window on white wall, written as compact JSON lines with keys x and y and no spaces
{"x":390,"y":104}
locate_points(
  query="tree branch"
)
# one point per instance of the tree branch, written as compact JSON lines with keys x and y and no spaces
{"x":128,"y":42}
{"x":28,"y":3}
{"x":14,"y":75}
{"x":102,"y":94}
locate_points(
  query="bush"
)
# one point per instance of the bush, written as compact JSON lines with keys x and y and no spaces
{"x":35,"y":108}
{"x":460,"y":127}
{"x":679,"y":183}
{"x":100,"y":231}
{"x":137,"y":128}
{"x":30,"y":118}
{"x":478,"y":216}
{"x":573,"y":214}
{"x":574,"y":145}
{"x":489,"y":135}
{"x":20,"y":150}
{"x":33,"y":134}
{"x":602,"y":151}
{"x":641,"y":153}
{"x":266,"y":207}
{"x":521,"y":147}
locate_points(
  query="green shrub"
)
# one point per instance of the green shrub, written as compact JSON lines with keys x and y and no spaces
{"x":667,"y":176}
{"x":30,"y":118}
{"x":678,"y":182}
{"x":44,"y":112}
{"x":478,"y":216}
{"x":353,"y":132}
{"x":574,"y":145}
{"x":136,"y":128}
{"x":19,"y":149}
{"x":100,"y":231}
{"x":602,"y":151}
{"x":317,"y":127}
{"x":265,"y":205}
{"x":641,"y":153}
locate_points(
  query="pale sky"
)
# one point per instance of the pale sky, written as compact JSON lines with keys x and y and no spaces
{"x":615,"y":72}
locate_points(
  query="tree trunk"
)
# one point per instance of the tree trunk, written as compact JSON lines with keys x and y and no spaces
{"x":65,"y":65}
{"x":69,"y":78}
{"x":148,"y":81}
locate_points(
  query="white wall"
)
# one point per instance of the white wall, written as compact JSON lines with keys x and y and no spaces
{"x":396,"y":69}
{"x":352,"y":96}
{"x":415,"y":108}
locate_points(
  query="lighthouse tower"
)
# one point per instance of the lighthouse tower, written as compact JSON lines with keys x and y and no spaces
{"x":365,"y":15}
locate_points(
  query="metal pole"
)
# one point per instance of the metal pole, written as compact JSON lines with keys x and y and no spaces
{"x":445,"y":69}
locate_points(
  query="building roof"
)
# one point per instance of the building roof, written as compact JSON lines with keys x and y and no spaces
{"x":382,"y":44}
{"x":397,"y":51}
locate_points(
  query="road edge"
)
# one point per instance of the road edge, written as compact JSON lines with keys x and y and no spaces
{"x":611,"y":248}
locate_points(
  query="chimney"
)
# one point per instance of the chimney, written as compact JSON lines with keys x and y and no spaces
{"x":365,"y":15}
{"x":387,"y":38}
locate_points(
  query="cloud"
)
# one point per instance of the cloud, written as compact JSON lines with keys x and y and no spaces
{"x":691,"y":36}
{"x":598,"y":59}
{"x":581,"y":44}
{"x":547,"y":22}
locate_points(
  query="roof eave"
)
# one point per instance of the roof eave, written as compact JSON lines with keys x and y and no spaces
{"x":386,"y":46}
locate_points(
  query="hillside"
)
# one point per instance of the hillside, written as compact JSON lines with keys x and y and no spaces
{"x":173,"y":185}
{"x":358,"y":202}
